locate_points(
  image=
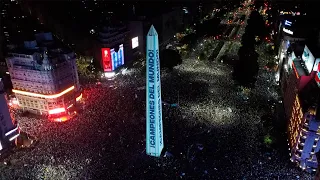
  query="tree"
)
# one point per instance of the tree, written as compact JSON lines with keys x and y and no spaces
{"x":246,"y":69}
{"x":83,"y":67}
{"x":202,"y":56}
{"x":256,"y":25}
{"x":169,"y":58}
{"x":248,"y":40}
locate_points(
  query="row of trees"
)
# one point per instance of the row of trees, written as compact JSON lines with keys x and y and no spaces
{"x":246,"y":69}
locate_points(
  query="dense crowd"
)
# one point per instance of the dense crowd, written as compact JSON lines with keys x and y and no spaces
{"x":212,"y":133}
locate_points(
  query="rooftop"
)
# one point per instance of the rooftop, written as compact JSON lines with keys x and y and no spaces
{"x":300,"y":68}
{"x":310,"y":96}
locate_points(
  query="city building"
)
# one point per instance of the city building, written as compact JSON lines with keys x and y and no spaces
{"x":304,"y":127}
{"x":317,"y":176}
{"x":111,"y":47}
{"x":44,"y":76}
{"x":293,"y":30}
{"x":98,"y":30}
{"x":15,"y":25}
{"x":9,"y":129}
{"x":301,"y":96}
{"x":298,"y":70}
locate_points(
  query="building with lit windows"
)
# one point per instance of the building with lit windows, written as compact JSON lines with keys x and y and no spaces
{"x":44,"y":76}
{"x":317,"y":176}
{"x":301,"y":99}
{"x":9,"y":129}
{"x":304,"y":127}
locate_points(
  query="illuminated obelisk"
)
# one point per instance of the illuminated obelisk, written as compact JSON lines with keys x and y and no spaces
{"x":154,"y":134}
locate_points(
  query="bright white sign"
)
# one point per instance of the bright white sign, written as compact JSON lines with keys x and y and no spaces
{"x":308,"y":58}
{"x":135,"y":42}
{"x":287,"y":31}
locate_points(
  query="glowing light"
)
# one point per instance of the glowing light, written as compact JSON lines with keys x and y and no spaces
{"x":124,"y":71}
{"x":1,"y":146}
{"x":79,"y":97}
{"x":14,"y":137}
{"x":57,"y":110}
{"x":11,"y":131}
{"x":106,"y":59}
{"x":70,"y":106}
{"x":42,"y":95}
{"x":109,"y":74}
{"x":287,"y":23}
{"x":16,"y":102}
{"x":135,"y":42}
{"x":61,"y":119}
{"x":295,"y":70}
{"x":287,"y":31}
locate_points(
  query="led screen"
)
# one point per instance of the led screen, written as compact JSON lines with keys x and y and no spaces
{"x":288,"y":23}
{"x":287,"y":31}
{"x":316,"y":66}
{"x":106,"y":59}
{"x":117,"y":57}
{"x":135,"y":42}
{"x":317,"y":69}
{"x":308,"y":58}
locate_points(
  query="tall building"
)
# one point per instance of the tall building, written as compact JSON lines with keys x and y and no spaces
{"x":9,"y":129}
{"x":317,"y":176}
{"x":44,"y":76}
{"x":304,"y":128}
{"x":301,"y":91}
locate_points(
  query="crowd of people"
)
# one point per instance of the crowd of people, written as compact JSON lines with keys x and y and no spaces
{"x":211,"y":133}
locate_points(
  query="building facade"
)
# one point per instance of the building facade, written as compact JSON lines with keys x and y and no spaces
{"x":44,"y":76}
{"x":301,"y":95}
{"x":304,"y":133}
{"x":9,"y":129}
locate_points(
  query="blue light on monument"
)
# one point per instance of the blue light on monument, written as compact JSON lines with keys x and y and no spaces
{"x":154,"y":134}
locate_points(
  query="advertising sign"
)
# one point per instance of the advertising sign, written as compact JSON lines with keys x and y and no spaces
{"x":317,"y":69}
{"x":308,"y":58}
{"x":287,"y":31}
{"x":316,"y":66}
{"x":106,"y":59}
{"x":288,"y":23}
{"x":135,"y":42}
{"x":154,"y":133}
{"x":117,"y":57}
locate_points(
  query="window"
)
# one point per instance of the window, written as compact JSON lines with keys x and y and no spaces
{"x":300,"y":147}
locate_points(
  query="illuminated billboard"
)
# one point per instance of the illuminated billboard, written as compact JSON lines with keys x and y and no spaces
{"x":106,"y":59}
{"x":317,"y":69}
{"x":288,"y":23}
{"x":154,"y":128}
{"x":135,"y":42}
{"x":308,"y":59}
{"x":112,"y":59}
{"x":117,"y":57}
{"x":287,"y":31}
